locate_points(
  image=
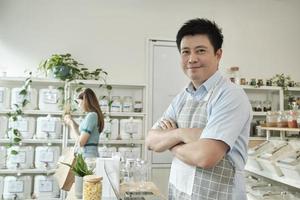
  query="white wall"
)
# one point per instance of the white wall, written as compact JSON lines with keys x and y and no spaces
{"x":262,"y":37}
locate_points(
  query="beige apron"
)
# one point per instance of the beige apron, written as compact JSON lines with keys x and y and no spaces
{"x":193,"y":183}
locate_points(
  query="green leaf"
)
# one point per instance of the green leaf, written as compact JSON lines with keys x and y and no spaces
{"x":14,"y":152}
{"x":108,"y":87}
{"x":17,"y":139}
{"x":23,"y":92}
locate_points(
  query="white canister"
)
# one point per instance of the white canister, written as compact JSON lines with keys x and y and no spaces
{"x":1,"y":185}
{"x":49,"y":99}
{"x":26,"y":126}
{"x":22,"y":160}
{"x":111,"y":129}
{"x":104,"y":104}
{"x":130,"y":152}
{"x":116,"y":105}
{"x":2,"y":157}
{"x":31,"y":97}
{"x":131,"y":129}
{"x":46,"y":157}
{"x":48,"y":127}
{"x":4,"y":98}
{"x":106,"y":152}
{"x":3,"y":126}
{"x":17,"y":187}
{"x":45,"y":187}
{"x":127,"y":104}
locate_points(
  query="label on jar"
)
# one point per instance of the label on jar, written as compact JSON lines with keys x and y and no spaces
{"x":1,"y":96}
{"x":127,"y":107}
{"x":19,"y":158}
{"x":48,"y":126}
{"x":104,"y":105}
{"x":46,"y":156}
{"x":116,"y":107}
{"x":15,"y":186}
{"x":50,"y":97}
{"x":45,"y":186}
{"x":131,"y":127}
{"x":21,"y":125}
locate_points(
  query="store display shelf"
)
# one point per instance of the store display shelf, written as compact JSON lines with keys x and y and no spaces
{"x":117,"y":114}
{"x":159,"y":165}
{"x":249,"y":87}
{"x":274,"y":177}
{"x":280,"y":129}
{"x":257,"y":138}
{"x":259,"y":113}
{"x":35,"y":141}
{"x":119,"y":85}
{"x":34,"y":112}
{"x":295,"y":89}
{"x":26,"y":171}
{"x":115,"y":141}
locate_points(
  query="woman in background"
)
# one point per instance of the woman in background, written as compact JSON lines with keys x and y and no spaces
{"x":90,"y":128}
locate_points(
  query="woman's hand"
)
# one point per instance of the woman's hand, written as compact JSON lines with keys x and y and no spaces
{"x":68,"y":120}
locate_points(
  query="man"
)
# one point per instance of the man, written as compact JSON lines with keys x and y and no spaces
{"x":207,"y":125}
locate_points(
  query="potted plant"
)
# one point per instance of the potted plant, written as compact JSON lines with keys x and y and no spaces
{"x":79,"y":169}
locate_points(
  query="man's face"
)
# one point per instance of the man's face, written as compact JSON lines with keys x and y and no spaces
{"x":198,"y":59}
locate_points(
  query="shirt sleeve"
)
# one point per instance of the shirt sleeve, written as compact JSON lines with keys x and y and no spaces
{"x":89,"y":123}
{"x":229,"y":116}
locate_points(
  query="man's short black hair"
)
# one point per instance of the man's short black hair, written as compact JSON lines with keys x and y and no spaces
{"x":202,"y":27}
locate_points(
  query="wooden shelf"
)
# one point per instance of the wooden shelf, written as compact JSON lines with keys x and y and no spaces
{"x":280,"y":129}
{"x":250,"y":87}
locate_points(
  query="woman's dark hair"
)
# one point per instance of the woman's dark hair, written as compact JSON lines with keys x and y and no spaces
{"x":201,"y":27}
{"x":91,"y":104}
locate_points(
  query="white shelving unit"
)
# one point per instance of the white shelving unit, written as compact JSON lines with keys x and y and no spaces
{"x":137,"y":91}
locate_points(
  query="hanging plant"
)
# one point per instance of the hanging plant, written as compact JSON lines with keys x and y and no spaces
{"x":16,"y":138}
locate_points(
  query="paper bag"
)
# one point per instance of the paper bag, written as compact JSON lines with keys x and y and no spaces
{"x":63,"y":173}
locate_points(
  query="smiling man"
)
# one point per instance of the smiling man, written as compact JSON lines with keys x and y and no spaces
{"x":207,"y":125}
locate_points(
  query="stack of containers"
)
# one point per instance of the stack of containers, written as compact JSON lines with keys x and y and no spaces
{"x":45,"y":187}
{"x":49,"y":99}
{"x":17,"y":187}
{"x":31,"y":97}
{"x":46,"y":157}
{"x":26,"y":126}
{"x":131,"y":129}
{"x":268,"y":159}
{"x":48,"y":127}
{"x":22,"y":160}
{"x":111,"y":129}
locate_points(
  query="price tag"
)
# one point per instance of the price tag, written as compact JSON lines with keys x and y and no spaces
{"x":45,"y":186}
{"x":50,"y":97}
{"x":21,"y":125}
{"x":131,"y":127}
{"x":19,"y":158}
{"x":15,"y":186}
{"x":46,"y":156}
{"x":48,"y":126}
{"x":1,"y":96}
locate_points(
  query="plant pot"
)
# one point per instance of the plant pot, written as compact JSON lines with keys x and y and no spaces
{"x":78,"y":187}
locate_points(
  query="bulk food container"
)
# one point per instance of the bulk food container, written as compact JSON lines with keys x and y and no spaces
{"x":131,"y":129}
{"x":111,"y":129}
{"x":116,"y":105}
{"x":17,"y":187}
{"x":104,"y":104}
{"x":268,"y":158}
{"x":45,"y":187}
{"x":49,"y":99}
{"x":31,"y":97}
{"x":4,"y":98}
{"x":254,"y":152}
{"x":290,"y":165}
{"x":2,"y":157}
{"x":22,"y":160}
{"x":26,"y":126}
{"x":48,"y":127}
{"x":106,"y":152}
{"x":1,"y":186}
{"x":46,"y":157}
{"x":130,"y":152}
{"x":3,"y":126}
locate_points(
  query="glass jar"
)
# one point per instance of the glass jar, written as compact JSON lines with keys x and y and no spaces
{"x":116,"y":105}
{"x":92,"y":187}
{"x":271,"y":119}
{"x":292,"y":119}
{"x":127,"y":104}
{"x":282,"y":119}
{"x":269,"y":82}
{"x":138,"y":106}
{"x":257,"y":106}
{"x":260,"y":82}
{"x":267,"y":106}
{"x":104,"y":103}
{"x":253,"y":82}
{"x":235,"y":75}
{"x":243,"y":81}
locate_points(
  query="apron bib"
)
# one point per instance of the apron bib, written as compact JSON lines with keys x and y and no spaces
{"x":193,"y":183}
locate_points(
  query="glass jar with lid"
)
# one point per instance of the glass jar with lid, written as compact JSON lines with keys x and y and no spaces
{"x":271,"y":119}
{"x":92,"y":187}
{"x":267,"y":106}
{"x":116,"y":105}
{"x":282,"y":119}
{"x":292,"y":119}
{"x":127,"y":104}
{"x":104,"y":103}
{"x":138,"y":106}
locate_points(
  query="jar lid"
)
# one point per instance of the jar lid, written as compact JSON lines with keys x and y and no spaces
{"x":92,"y":178}
{"x":234,"y":68}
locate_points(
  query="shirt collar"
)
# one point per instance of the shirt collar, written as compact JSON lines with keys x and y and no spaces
{"x":207,"y":85}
